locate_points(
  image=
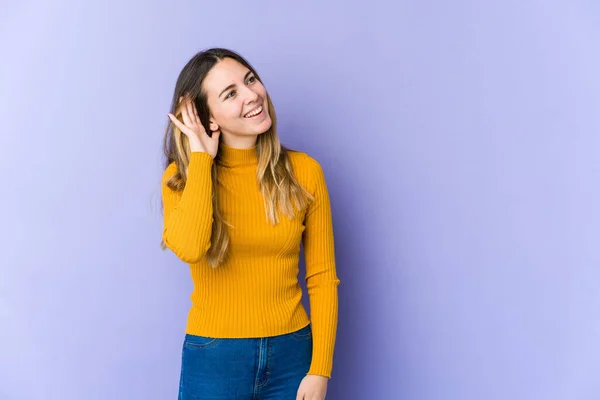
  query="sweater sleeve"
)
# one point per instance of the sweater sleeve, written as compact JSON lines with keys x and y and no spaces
{"x":188,"y":214}
{"x":321,"y":277}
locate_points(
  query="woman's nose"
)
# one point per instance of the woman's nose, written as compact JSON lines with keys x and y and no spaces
{"x":251,"y":96}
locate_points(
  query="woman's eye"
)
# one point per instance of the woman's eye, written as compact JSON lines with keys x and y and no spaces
{"x":252,"y":79}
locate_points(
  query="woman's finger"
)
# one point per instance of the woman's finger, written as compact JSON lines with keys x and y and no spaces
{"x":189,"y":105}
{"x":185,"y":115}
{"x":177,"y":123}
{"x":195,"y":113}
{"x":190,"y":111}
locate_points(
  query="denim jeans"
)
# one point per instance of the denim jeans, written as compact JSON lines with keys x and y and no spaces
{"x":245,"y":369}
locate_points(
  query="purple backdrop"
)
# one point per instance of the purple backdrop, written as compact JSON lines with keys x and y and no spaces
{"x":461,"y":145}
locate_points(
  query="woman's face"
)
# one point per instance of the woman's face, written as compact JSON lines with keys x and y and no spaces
{"x":237,"y":101}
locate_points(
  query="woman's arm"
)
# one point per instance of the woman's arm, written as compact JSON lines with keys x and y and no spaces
{"x":188,"y":214}
{"x":321,"y":277}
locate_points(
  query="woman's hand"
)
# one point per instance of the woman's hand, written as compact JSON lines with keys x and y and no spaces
{"x":194,"y":130}
{"x":312,"y":387}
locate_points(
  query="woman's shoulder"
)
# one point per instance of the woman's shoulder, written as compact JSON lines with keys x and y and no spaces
{"x":306,"y":168}
{"x":303,"y":160}
{"x":169,"y":172}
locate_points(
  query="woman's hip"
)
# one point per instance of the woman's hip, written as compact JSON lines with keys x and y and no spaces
{"x":248,"y":368}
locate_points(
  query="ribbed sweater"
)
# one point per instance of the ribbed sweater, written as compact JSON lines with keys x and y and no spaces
{"x":256,"y":292}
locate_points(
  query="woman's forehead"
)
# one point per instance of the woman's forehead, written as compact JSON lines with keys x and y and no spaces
{"x":224,"y":73}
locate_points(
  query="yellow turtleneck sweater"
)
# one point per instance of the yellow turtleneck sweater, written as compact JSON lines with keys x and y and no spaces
{"x":256,"y":292}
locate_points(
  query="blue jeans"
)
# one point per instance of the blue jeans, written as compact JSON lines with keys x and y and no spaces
{"x":245,"y":369}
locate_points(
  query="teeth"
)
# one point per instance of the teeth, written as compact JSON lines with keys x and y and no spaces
{"x":255,"y":112}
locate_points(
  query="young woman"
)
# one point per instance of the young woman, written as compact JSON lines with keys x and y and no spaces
{"x":237,"y":206}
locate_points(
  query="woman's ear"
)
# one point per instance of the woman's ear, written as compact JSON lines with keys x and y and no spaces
{"x":213,"y":127}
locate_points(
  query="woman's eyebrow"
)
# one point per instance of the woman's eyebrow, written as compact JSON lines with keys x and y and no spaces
{"x":233,"y":84}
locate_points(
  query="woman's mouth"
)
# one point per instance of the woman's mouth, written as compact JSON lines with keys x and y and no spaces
{"x":257,"y":112}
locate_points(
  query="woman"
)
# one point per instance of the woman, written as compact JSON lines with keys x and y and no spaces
{"x":237,"y":205}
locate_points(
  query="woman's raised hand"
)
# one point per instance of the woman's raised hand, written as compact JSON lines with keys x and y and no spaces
{"x":194,"y":130}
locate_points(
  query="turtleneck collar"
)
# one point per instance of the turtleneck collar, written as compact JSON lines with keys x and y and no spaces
{"x":232,"y":157}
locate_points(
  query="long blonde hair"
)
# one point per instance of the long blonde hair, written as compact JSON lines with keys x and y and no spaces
{"x":279,"y":187}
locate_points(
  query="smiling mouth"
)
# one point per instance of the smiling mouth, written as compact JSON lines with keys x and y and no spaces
{"x":254,"y":113}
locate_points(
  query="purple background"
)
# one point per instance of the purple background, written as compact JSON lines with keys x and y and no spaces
{"x":461,"y":145}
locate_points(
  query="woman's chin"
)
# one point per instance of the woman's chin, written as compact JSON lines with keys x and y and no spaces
{"x":254,"y":129}
{"x":264,"y":126}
